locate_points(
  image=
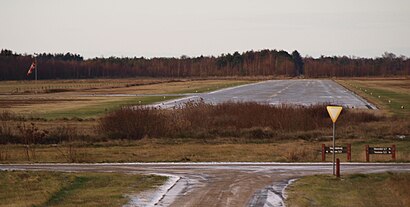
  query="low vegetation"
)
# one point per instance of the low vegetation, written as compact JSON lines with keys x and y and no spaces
{"x":93,"y":131}
{"x":88,"y":99}
{"x":21,"y":188}
{"x":198,"y":150}
{"x":386,"y":189}
{"x":198,"y":119}
{"x":199,"y":132}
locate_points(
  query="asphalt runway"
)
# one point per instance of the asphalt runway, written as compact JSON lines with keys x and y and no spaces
{"x":276,"y":92}
{"x":217,"y":184}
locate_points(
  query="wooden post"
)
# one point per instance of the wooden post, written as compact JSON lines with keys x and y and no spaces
{"x":367,"y":153}
{"x":323,"y":153}
{"x":393,"y":152}
{"x":349,"y":152}
{"x":337,"y":167}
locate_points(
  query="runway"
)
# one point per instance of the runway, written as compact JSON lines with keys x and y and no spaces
{"x":303,"y":92}
{"x":217,"y":184}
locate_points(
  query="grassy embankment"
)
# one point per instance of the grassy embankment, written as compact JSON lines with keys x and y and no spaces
{"x":357,"y":190}
{"x":21,"y":188}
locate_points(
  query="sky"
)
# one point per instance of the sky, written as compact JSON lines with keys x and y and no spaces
{"x":171,"y":28}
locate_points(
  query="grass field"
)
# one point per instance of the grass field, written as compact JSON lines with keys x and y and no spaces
{"x":49,"y":86}
{"x":390,"y":95}
{"x":194,"y":150}
{"x":99,"y":108}
{"x":88,"y":98}
{"x":357,"y":190}
{"x":23,"y":188}
{"x":90,"y":146}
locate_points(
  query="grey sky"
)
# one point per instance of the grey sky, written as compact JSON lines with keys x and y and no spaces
{"x":150,"y":28}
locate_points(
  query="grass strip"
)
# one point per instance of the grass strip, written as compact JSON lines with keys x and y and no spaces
{"x":40,"y":188}
{"x":59,"y":196}
{"x":356,"y":190}
{"x":391,"y":96}
{"x":203,"y":150}
{"x":101,"y":108}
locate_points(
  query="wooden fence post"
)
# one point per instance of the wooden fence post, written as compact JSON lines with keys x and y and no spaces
{"x":323,"y":153}
{"x":337,"y":167}
{"x":367,"y":153}
{"x":349,"y":152}
{"x":393,"y":152}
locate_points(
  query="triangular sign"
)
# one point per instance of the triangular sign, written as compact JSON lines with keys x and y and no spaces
{"x":334,"y":112}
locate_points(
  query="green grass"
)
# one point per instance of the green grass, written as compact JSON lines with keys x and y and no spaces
{"x":67,"y":191}
{"x":99,"y":109}
{"x":397,"y":100}
{"x":25,"y":188}
{"x":380,"y":92}
{"x":357,"y":190}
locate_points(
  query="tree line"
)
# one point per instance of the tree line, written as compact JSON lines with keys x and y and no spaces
{"x":250,"y":63}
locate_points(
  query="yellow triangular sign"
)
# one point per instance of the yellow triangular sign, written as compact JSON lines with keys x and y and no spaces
{"x":334,"y":112}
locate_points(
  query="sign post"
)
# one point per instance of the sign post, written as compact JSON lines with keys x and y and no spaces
{"x":338,"y":150}
{"x":334,"y":112}
{"x":381,"y":151}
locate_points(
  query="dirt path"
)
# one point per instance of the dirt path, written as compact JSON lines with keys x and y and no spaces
{"x":221,"y":184}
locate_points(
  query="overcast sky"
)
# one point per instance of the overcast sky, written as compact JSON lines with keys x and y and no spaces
{"x":95,"y":28}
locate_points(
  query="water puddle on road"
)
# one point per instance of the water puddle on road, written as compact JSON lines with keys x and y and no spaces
{"x":153,"y":197}
{"x":271,"y":196}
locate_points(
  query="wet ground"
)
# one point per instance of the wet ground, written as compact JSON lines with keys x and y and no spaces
{"x":275,"y":92}
{"x":217,"y":184}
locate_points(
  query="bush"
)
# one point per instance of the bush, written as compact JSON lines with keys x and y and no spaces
{"x":60,"y":134}
{"x":197,"y":119}
{"x":6,"y":134}
{"x":136,"y":123}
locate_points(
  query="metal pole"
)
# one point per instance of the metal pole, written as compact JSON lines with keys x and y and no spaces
{"x":334,"y":155}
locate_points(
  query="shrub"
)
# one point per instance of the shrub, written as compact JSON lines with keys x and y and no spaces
{"x":6,"y":133}
{"x":60,"y":134}
{"x":133,"y":123}
{"x":197,"y":119}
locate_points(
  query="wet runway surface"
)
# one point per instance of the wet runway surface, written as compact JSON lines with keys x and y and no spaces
{"x":217,"y":184}
{"x":275,"y":92}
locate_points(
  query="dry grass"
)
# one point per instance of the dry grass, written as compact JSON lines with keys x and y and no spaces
{"x":19,"y":188}
{"x":50,"y":86}
{"x":197,"y":119}
{"x":80,"y":98}
{"x":248,"y":135}
{"x":243,"y":139}
{"x":204,"y":150}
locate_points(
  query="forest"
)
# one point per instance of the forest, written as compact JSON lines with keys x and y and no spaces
{"x":14,"y":66}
